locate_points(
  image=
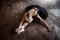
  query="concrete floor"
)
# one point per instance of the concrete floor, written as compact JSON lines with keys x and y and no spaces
{"x":10,"y":17}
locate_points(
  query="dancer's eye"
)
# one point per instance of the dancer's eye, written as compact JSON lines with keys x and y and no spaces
{"x":36,"y":9}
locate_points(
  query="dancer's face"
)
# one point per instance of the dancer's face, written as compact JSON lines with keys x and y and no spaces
{"x":33,"y":11}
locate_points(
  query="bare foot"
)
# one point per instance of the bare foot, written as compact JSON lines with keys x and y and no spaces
{"x":49,"y":29}
{"x":18,"y":31}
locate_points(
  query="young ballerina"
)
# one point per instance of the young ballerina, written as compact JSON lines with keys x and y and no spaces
{"x":30,"y":12}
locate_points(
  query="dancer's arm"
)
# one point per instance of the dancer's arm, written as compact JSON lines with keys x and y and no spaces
{"x":42,"y":21}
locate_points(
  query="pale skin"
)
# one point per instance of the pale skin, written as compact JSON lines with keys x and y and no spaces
{"x":28,"y":19}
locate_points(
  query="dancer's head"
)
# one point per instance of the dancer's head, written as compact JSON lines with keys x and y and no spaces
{"x":41,"y":11}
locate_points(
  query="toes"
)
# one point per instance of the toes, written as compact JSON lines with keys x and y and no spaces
{"x":16,"y":30}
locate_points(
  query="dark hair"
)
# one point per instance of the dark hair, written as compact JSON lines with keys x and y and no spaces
{"x":42,"y":12}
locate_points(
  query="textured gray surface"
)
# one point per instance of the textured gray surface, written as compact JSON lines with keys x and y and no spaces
{"x":10,"y":17}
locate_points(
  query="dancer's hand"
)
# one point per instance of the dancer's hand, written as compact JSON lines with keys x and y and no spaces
{"x":49,"y":29}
